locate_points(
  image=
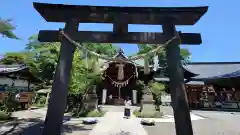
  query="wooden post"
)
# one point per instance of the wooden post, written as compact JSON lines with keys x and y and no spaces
{"x":182,"y":118}
{"x":119,"y":93}
{"x":58,"y":97}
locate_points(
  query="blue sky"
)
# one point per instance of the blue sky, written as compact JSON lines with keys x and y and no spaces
{"x":219,"y":26}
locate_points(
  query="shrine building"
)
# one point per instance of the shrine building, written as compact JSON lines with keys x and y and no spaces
{"x":119,"y":79}
{"x":200,"y":78}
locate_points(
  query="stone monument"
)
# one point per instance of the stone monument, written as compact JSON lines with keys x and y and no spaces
{"x":147,"y":102}
{"x":91,"y":99}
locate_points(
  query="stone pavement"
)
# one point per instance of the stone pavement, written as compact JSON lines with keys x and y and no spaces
{"x":170,"y":118}
{"x":215,"y":123}
{"x":30,"y":122}
{"x":113,"y":123}
{"x":24,"y":119}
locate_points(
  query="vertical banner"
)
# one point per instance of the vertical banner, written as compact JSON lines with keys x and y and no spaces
{"x":104,"y":96}
{"x":134,"y":93}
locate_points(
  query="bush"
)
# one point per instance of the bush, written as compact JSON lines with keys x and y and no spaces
{"x":39,"y":105}
{"x":148,"y":114}
{"x":4,"y":115}
{"x":95,"y":114}
{"x":11,"y":106}
{"x":42,"y":100}
{"x":88,"y":113}
{"x":3,"y":108}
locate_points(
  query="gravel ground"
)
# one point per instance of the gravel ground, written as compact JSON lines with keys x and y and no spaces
{"x":215,"y":123}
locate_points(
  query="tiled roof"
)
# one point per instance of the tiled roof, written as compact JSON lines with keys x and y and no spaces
{"x":12,"y":68}
{"x":229,"y":75}
{"x":196,"y":82}
{"x":211,"y":69}
{"x":165,"y":79}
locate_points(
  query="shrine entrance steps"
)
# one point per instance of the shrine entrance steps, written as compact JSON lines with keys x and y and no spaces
{"x":113,"y":123}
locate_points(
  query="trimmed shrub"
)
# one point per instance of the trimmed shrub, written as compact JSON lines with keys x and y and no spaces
{"x":148,"y":114}
{"x":4,"y":116}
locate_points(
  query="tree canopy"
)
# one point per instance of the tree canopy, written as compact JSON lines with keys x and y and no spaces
{"x":42,"y":58}
{"x":6,"y":29}
{"x":143,"y":48}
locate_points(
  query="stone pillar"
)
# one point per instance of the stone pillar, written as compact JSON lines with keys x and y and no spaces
{"x":134,"y":93}
{"x":147,"y":101}
{"x":104,"y":96}
{"x":92,"y":98}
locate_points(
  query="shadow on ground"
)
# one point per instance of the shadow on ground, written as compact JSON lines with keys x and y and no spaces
{"x":34,"y":126}
{"x":17,"y":126}
{"x":71,"y":128}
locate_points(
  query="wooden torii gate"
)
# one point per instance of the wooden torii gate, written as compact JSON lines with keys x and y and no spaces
{"x":120,"y":17}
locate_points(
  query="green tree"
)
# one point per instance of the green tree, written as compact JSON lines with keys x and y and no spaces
{"x":157,"y":89}
{"x":6,"y":29}
{"x":83,"y":77}
{"x":13,"y":58}
{"x":42,"y":60}
{"x":105,"y":49}
{"x":144,"y":48}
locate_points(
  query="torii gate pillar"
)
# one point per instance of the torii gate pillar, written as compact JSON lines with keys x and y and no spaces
{"x":61,"y":83}
{"x":183,"y":124}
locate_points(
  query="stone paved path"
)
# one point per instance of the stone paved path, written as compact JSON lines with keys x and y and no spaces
{"x":113,"y":123}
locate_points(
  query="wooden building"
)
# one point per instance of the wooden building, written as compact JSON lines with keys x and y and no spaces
{"x":18,"y":80}
{"x":213,"y":81}
{"x":119,"y":80}
{"x":114,"y":91}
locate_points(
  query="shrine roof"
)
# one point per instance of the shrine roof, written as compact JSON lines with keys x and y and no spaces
{"x":226,"y":76}
{"x":4,"y":69}
{"x":195,"y":83}
{"x":208,"y":70}
{"x":21,"y":69}
{"x":107,"y":14}
{"x":121,"y":55}
{"x":166,"y":79}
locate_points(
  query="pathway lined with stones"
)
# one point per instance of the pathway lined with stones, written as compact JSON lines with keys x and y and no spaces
{"x":113,"y":123}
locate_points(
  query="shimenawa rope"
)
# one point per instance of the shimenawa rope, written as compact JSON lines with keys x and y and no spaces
{"x":140,"y":56}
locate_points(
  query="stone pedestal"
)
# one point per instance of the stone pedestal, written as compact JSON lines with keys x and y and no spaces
{"x":147,"y":102}
{"x":148,"y":99}
{"x":92,"y":101}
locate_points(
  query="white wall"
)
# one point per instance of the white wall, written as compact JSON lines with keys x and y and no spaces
{"x":5,"y":80}
{"x":9,"y":81}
